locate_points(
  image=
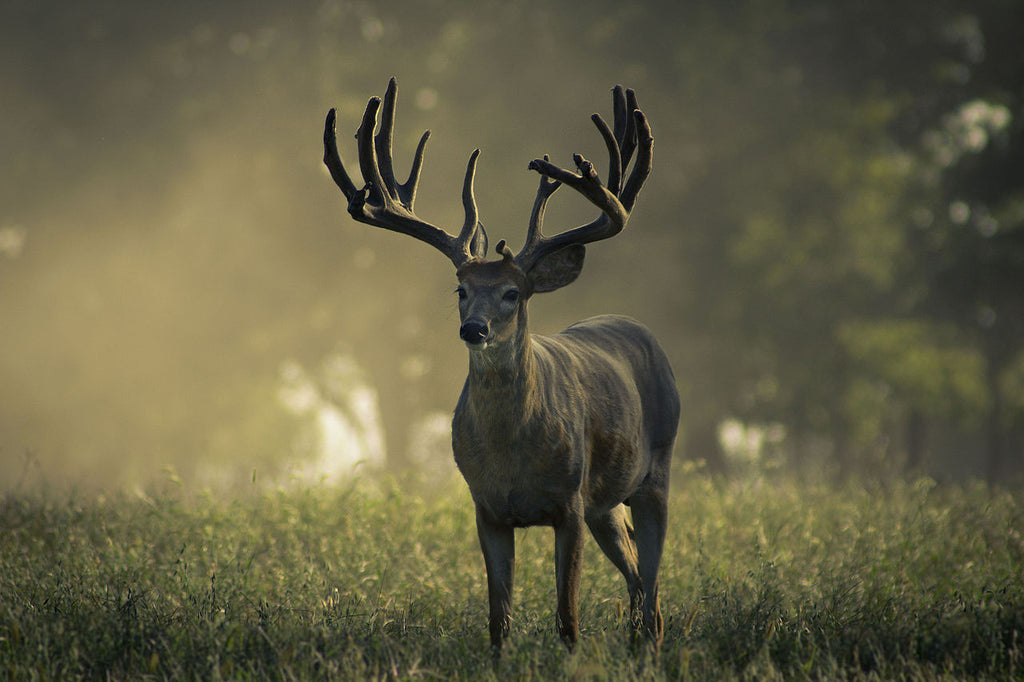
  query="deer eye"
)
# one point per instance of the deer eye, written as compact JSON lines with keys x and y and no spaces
{"x":512,"y":295}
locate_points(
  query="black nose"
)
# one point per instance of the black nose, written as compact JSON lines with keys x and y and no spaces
{"x":473,"y":331}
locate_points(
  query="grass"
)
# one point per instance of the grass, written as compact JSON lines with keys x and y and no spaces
{"x":762,"y":579}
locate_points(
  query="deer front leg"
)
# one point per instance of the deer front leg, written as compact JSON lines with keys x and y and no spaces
{"x":568,"y":564}
{"x":498,"y":544}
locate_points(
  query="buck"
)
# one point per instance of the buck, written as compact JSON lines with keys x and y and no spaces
{"x":564,"y":430}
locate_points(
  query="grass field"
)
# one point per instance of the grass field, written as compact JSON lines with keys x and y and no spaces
{"x":761,"y":579}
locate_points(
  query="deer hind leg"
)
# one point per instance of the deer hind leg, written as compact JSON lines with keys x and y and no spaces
{"x":614,"y":536}
{"x":650,"y":517}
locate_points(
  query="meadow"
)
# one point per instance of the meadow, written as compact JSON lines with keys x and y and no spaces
{"x":763,"y":578}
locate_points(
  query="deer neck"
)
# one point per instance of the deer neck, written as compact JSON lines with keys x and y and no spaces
{"x":501,"y":381}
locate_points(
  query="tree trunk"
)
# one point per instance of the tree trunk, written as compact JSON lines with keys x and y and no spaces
{"x":917,"y":442}
{"x":994,"y":466}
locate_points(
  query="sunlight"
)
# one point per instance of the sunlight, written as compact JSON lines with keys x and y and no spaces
{"x":343,"y":422}
{"x":12,"y":241}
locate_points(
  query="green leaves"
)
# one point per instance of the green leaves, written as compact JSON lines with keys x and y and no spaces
{"x":927,"y":364}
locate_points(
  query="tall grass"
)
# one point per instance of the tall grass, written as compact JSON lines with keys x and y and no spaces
{"x":761,"y":579}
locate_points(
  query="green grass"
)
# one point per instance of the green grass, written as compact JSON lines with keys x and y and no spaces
{"x":761,"y":579}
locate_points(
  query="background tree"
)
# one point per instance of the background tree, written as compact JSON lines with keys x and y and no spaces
{"x":830,"y":244}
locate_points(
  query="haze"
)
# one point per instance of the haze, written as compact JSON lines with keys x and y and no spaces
{"x":182,"y":294}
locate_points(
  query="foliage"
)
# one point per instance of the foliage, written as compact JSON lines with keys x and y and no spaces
{"x":763,"y":578}
{"x":923,"y":365}
{"x":827,"y":177}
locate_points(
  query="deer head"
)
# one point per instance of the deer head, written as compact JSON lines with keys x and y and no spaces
{"x":493,"y":294}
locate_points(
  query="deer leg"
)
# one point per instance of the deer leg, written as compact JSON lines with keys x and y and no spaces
{"x":650,"y":517}
{"x":498,"y":543}
{"x":568,"y":564}
{"x":614,"y":536}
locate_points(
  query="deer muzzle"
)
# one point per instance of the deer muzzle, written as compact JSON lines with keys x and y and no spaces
{"x":474,"y":332}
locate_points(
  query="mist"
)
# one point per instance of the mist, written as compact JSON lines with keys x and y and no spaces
{"x":182,"y":293}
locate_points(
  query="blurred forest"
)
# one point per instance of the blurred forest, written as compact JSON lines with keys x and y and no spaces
{"x":830,"y":247}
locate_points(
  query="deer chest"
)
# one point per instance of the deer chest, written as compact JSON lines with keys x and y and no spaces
{"x":521,"y":488}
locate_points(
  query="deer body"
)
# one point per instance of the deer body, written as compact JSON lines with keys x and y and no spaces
{"x":602,"y":379}
{"x":564,"y":430}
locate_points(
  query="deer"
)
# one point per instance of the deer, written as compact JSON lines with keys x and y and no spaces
{"x":567,"y":430}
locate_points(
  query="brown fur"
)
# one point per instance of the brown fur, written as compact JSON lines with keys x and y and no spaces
{"x":560,"y":431}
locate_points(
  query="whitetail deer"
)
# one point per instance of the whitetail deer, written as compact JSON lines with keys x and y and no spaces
{"x":550,"y":430}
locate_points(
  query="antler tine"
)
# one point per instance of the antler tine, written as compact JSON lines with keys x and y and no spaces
{"x":619,"y":110}
{"x":642,"y":165}
{"x":382,"y":141}
{"x":615,"y":163}
{"x":472,"y":223}
{"x":383,"y":201}
{"x":383,"y":146}
{"x":333,"y":160}
{"x":407,"y":192}
{"x":544,"y":191}
{"x":628,"y":141}
{"x":368,"y":162}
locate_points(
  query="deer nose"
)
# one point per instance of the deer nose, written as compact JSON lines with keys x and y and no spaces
{"x":473,"y":331}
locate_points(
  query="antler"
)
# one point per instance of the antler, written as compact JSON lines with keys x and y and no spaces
{"x":383,"y":201}
{"x":632,"y":132}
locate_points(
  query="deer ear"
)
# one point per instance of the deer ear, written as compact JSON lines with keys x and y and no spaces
{"x":558,"y":268}
{"x":478,"y":247}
